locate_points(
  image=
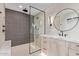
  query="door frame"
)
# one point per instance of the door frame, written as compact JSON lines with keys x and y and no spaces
{"x":30,"y":28}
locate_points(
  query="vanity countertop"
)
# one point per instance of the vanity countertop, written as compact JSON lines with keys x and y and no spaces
{"x":61,"y":38}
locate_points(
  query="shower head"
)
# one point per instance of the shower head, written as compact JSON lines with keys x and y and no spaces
{"x":25,"y":10}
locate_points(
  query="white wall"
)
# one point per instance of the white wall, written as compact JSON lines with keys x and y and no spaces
{"x":2,"y":22}
{"x":55,"y":8}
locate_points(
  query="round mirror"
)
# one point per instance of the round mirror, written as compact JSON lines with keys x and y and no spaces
{"x":66,"y":19}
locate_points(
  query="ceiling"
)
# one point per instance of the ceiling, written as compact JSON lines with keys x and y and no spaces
{"x":21,"y":6}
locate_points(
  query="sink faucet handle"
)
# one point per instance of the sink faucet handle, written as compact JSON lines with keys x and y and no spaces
{"x":59,"y":34}
{"x":65,"y":35}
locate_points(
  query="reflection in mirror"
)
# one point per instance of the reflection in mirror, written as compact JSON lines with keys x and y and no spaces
{"x":66,"y":19}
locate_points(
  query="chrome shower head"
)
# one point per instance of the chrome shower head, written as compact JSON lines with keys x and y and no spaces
{"x":25,"y":10}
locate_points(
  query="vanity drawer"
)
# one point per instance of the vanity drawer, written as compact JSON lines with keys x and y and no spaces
{"x":73,"y":52}
{"x":44,"y":45}
{"x":74,"y":46}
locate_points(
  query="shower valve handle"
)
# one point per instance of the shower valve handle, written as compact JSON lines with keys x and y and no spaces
{"x":3,"y":26}
{"x":3,"y":30}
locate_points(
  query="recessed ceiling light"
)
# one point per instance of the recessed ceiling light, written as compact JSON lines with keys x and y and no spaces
{"x":20,"y":6}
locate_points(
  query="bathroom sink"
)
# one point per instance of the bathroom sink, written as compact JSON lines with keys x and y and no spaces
{"x":51,"y":36}
{"x":61,"y":38}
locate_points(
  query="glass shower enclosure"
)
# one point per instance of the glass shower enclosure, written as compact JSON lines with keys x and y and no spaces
{"x":37,"y":18}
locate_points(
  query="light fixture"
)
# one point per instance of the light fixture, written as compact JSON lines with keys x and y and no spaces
{"x":50,"y":20}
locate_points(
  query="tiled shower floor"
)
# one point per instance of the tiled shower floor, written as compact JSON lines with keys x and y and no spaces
{"x":23,"y":50}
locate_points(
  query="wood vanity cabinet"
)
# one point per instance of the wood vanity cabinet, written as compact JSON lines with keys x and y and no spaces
{"x":44,"y":45}
{"x":62,"y":48}
{"x":59,"y":47}
{"x":48,"y":46}
{"x":73,"y":52}
{"x":73,"y":49}
{"x":53,"y":51}
{"x":54,"y":47}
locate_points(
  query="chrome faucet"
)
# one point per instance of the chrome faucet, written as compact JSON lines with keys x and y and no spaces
{"x":62,"y":34}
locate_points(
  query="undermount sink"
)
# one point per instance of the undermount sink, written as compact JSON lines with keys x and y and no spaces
{"x":47,"y":35}
{"x":61,"y":38}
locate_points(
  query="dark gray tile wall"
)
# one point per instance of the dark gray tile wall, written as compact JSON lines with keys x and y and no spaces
{"x":17,"y":27}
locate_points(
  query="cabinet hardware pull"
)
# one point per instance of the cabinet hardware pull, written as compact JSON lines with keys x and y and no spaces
{"x":77,"y":53}
{"x":0,"y":12}
{"x":44,"y":48}
{"x":77,"y":45}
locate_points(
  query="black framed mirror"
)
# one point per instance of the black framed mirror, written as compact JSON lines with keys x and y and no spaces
{"x":66,"y":19}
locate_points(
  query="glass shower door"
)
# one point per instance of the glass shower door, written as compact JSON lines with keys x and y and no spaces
{"x":36,"y":29}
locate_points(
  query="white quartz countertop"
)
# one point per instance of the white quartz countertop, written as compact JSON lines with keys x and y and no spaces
{"x":61,"y":38}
